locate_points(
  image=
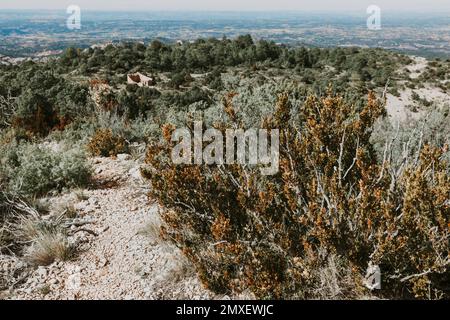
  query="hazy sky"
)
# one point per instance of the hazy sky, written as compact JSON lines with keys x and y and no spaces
{"x":298,"y":5}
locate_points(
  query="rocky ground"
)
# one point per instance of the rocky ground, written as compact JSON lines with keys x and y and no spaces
{"x":401,"y":108}
{"x":119,"y":254}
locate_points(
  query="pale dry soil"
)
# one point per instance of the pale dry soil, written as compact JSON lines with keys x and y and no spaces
{"x":120,"y":256}
{"x":399,"y":108}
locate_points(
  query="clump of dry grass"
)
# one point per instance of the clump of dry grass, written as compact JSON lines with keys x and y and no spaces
{"x":49,"y":247}
{"x":46,"y":238}
{"x":65,"y":209}
{"x":152,"y":229}
{"x":335,"y":280}
{"x":30,"y":227}
{"x":23,"y":231}
{"x":11,"y":209}
{"x":41,"y":205}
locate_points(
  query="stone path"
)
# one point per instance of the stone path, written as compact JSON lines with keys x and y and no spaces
{"x":121,"y":256}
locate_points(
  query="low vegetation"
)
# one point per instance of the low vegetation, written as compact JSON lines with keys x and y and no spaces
{"x":354,"y":188}
{"x":104,"y":143}
{"x":331,"y":197}
{"x":34,"y":170}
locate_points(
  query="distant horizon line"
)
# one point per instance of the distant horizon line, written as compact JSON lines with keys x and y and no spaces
{"x":285,"y":11}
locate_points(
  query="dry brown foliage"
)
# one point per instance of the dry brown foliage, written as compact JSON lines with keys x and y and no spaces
{"x":331,"y":197}
{"x":105,"y":143}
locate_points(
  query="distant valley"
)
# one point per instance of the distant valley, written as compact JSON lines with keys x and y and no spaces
{"x":43,"y":33}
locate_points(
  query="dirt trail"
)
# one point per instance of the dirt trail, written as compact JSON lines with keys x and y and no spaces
{"x":121,"y":260}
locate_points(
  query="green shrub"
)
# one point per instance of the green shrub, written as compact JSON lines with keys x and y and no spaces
{"x":32,"y":170}
{"x":35,"y":113}
{"x":180,"y":79}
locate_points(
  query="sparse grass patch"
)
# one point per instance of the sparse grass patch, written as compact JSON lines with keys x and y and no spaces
{"x":41,"y":205}
{"x":66,"y":209}
{"x":30,"y":227}
{"x":335,"y":279}
{"x":11,"y":211}
{"x":70,"y":211}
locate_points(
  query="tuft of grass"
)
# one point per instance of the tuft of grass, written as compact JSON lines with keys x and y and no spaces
{"x":50,"y":247}
{"x":47,"y":239}
{"x":41,"y":205}
{"x":29,"y":228}
{"x":70,"y":211}
{"x":152,"y":229}
{"x":12,"y":211}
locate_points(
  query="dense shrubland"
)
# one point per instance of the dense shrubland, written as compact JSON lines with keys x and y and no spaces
{"x":203,"y":55}
{"x":353,"y":188}
{"x":52,"y":95}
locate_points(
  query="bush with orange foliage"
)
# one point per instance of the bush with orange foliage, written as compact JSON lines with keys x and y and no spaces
{"x":106,"y":144}
{"x":331,"y":197}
